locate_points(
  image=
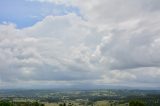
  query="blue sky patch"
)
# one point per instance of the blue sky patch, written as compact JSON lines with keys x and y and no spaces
{"x":25,"y":13}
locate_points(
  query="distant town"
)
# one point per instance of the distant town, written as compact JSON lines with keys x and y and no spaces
{"x":99,"y":97}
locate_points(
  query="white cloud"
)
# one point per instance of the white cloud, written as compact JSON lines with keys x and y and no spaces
{"x":46,"y":51}
{"x":114,"y":43}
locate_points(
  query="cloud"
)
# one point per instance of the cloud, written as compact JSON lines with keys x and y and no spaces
{"x":132,"y":48}
{"x":46,"y":51}
{"x":111,"y":43}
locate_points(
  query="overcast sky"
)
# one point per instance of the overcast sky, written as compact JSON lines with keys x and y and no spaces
{"x":79,"y":43}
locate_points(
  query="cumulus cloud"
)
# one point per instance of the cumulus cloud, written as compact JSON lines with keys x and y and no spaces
{"x":113,"y":42}
{"x":51,"y":50}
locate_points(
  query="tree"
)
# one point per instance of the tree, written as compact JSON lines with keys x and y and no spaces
{"x":136,"y":103}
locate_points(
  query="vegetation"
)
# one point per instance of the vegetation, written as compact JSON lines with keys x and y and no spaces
{"x":8,"y":103}
{"x":79,"y":98}
{"x":136,"y":103}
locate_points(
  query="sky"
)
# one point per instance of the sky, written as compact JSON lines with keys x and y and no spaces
{"x":52,"y":44}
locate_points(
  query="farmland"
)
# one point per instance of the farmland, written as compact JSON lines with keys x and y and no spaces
{"x":100,"y":97}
